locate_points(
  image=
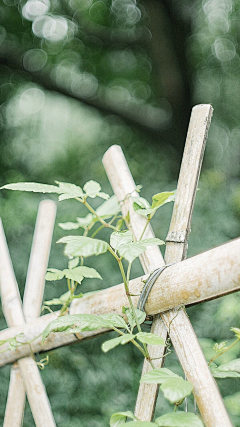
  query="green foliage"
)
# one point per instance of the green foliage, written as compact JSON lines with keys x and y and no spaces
{"x":119,"y":418}
{"x":83,"y":246}
{"x":179,"y":419}
{"x":142,"y":207}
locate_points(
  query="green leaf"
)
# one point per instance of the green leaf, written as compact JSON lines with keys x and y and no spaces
{"x":158,"y":376}
{"x":69,"y":191}
{"x":175,"y":389}
{"x":120,"y":238}
{"x":92,"y":189}
{"x":110,"y":344}
{"x":179,"y":419}
{"x":73,"y":274}
{"x":132,"y":250}
{"x":126,"y":338}
{"x":145,"y":212}
{"x":140,"y":424}
{"x":140,"y":203}
{"x":233,"y":365}
{"x":141,"y":316}
{"x":219,"y":347}
{"x":236,"y":331}
{"x":148,"y":338}
{"x":109,"y":208}
{"x":80,"y":272}
{"x":86,"y":221}
{"x":59,"y":325}
{"x":59,"y":301}
{"x":227,"y":370}
{"x":69,"y":225}
{"x":83,"y":246}
{"x":54,"y":274}
{"x":32,"y":186}
{"x":119,"y":418}
{"x":72,"y":263}
{"x":162,"y":198}
{"x":150,"y":242}
{"x":110,"y":320}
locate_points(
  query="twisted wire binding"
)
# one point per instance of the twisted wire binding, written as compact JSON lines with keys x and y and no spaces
{"x":148,"y":286}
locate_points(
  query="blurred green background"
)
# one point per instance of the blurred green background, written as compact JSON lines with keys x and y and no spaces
{"x":77,"y":76}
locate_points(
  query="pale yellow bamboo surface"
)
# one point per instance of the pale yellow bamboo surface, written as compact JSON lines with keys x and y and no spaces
{"x":203,"y":277}
{"x":30,"y":376}
{"x":118,"y":175}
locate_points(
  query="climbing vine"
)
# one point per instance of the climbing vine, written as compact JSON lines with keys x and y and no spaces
{"x":125,"y":250}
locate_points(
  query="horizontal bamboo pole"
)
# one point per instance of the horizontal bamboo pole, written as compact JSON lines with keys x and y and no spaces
{"x":13,"y":312}
{"x":206,"y":276}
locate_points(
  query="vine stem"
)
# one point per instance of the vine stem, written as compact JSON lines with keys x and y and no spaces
{"x":133,"y":341}
{"x":104,"y":223}
{"x":148,"y":221}
{"x":224,"y":351}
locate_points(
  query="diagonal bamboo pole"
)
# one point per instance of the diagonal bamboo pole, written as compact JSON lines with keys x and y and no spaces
{"x":183,"y":337}
{"x":25,"y":372}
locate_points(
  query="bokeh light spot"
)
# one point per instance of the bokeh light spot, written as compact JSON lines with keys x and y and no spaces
{"x":224,"y":49}
{"x":35,"y":60}
{"x":34,"y":8}
{"x":51,"y":27}
{"x":32,"y":101}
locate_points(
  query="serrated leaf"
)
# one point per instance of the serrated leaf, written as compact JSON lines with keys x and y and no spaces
{"x":54,"y":274}
{"x":72,"y":263}
{"x":110,"y":320}
{"x":110,"y":344}
{"x":158,"y":376}
{"x":150,"y":242}
{"x":119,"y":238}
{"x":148,"y":338}
{"x":69,"y":191}
{"x":132,"y":250}
{"x":88,"y":272}
{"x":92,"y":188}
{"x":162,"y":198}
{"x":226,"y":370}
{"x":83,"y":246}
{"x":103,"y":195}
{"x":33,"y":187}
{"x":84,"y":322}
{"x":179,"y":419}
{"x":119,"y":418}
{"x":80,"y":272}
{"x":109,"y":208}
{"x":175,"y":389}
{"x":59,"y":325}
{"x":73,"y":274}
{"x":233,"y":365}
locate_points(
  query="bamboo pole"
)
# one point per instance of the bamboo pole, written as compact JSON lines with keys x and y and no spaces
{"x":203,"y":277}
{"x":30,"y":376}
{"x":210,"y":402}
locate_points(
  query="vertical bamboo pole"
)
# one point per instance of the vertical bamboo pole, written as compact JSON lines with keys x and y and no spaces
{"x":181,"y":332}
{"x":25,"y":372}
